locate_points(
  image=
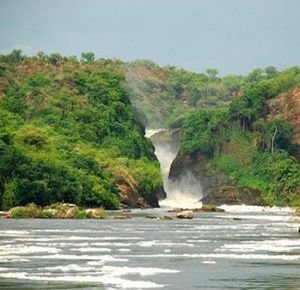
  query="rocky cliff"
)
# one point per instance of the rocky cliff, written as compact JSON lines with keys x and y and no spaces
{"x":197,"y":165}
{"x":216,"y":188}
{"x":287,"y":106}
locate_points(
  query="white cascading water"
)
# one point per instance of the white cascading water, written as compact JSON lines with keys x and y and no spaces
{"x":184,"y":192}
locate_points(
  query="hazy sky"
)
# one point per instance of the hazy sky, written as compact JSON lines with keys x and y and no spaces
{"x":234,"y":36}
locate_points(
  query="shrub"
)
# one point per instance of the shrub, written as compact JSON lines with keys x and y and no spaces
{"x":29,"y":211}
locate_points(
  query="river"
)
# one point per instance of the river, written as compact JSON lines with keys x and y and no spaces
{"x":243,"y":248}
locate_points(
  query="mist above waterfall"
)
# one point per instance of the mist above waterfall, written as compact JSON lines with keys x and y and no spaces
{"x":183,"y":192}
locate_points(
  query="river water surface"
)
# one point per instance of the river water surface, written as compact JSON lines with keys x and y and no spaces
{"x":243,"y":248}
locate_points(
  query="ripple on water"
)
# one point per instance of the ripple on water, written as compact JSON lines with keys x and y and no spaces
{"x":110,"y":279}
{"x":152,"y":254}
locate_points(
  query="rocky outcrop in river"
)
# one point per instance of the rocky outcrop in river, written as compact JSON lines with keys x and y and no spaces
{"x":197,"y":165}
{"x":215,"y":189}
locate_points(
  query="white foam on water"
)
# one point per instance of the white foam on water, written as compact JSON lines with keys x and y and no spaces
{"x":142,"y":271}
{"x":181,"y":200}
{"x":255,"y":209}
{"x":199,"y":241}
{"x":55,"y":238}
{"x":282,"y":245}
{"x":120,"y":238}
{"x":108,"y":275}
{"x":123,"y":250}
{"x":9,"y":249}
{"x":222,"y":256}
{"x":13,"y":259}
{"x":112,"y":244}
{"x":266,"y":217}
{"x":96,"y":263}
{"x":105,"y":279}
{"x":60,"y":244}
{"x":92,"y":250}
{"x":248,"y":256}
{"x":13,"y":233}
{"x":68,"y":268}
{"x":105,"y":258}
{"x":75,"y":238}
{"x":216,"y":227}
{"x":64,"y":231}
{"x":209,"y":262}
{"x":159,"y":243}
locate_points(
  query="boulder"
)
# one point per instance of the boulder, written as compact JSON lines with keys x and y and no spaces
{"x":176,"y":209}
{"x":152,"y":217}
{"x":233,"y":195}
{"x":211,"y":208}
{"x":68,"y":205}
{"x":165,"y":218}
{"x":121,"y":217}
{"x":4,"y":214}
{"x":70,"y":212}
{"x":95,"y":213}
{"x":186,"y":214}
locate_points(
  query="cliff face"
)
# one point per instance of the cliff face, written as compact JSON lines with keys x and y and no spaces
{"x":247,"y":153}
{"x":197,"y":165}
{"x":287,"y":107}
{"x":216,"y":189}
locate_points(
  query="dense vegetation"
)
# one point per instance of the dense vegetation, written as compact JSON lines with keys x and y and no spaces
{"x":68,"y":133}
{"x":253,"y":147}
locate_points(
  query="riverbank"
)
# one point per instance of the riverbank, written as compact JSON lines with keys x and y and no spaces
{"x":72,"y":211}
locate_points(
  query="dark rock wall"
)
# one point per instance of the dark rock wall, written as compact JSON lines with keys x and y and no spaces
{"x":197,"y":165}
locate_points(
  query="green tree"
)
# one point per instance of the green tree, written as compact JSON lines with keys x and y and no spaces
{"x":212,"y":73}
{"x":88,"y":57}
{"x":15,"y":56}
{"x":271,"y":72}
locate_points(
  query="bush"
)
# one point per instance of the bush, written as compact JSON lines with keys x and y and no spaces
{"x":80,"y":214}
{"x":29,"y":211}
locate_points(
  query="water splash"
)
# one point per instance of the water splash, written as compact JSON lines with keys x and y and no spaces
{"x":184,"y":192}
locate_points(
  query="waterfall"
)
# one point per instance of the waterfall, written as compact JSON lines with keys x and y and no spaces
{"x":184,"y":192}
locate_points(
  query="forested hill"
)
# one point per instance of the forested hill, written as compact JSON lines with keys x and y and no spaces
{"x":68,"y":133}
{"x":253,"y":146}
{"x":69,"y":130}
{"x":240,"y":131}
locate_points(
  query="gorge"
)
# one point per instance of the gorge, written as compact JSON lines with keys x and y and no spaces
{"x":72,"y":133}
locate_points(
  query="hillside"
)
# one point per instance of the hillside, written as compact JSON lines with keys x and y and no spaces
{"x":68,"y":133}
{"x":287,"y":107}
{"x":248,"y":152}
{"x":162,"y":96}
{"x":73,"y":131}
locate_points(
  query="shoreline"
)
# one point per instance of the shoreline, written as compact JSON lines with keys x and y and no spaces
{"x":72,"y":211}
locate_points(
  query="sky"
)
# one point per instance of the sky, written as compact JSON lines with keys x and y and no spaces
{"x":233,"y":36}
